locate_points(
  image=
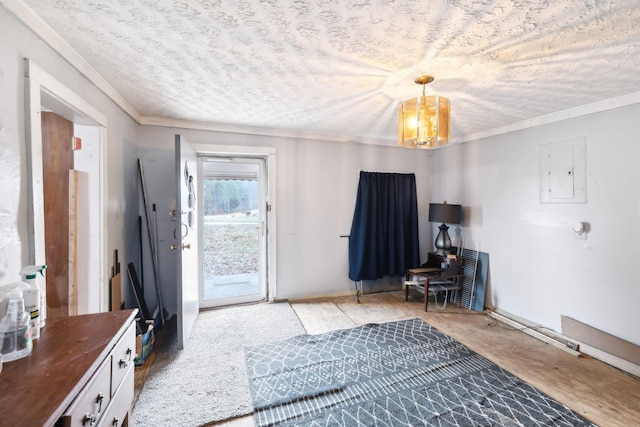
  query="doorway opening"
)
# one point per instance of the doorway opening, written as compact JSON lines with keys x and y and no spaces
{"x":81,"y":287}
{"x":233,"y":231}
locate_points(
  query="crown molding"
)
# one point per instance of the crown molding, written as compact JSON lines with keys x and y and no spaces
{"x":32,"y":21}
{"x":258,"y":131}
{"x":570,"y":113}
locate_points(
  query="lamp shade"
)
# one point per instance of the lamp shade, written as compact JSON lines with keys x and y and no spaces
{"x":423,"y":122}
{"x":445,"y":213}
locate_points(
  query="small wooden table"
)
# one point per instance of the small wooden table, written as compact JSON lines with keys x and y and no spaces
{"x":433,"y":278}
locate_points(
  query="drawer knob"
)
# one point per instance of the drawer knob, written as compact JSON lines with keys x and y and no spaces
{"x":92,"y":419}
{"x":116,"y":422}
{"x":125,"y":362}
{"x":89,"y":419}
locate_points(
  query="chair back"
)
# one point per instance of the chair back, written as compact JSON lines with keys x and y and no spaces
{"x":455,"y":268}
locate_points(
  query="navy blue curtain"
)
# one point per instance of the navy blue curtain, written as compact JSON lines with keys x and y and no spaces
{"x":384,"y":231}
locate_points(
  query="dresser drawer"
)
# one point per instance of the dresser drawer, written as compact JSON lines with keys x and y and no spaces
{"x":120,"y":405}
{"x":92,"y":401}
{"x":122,"y":357}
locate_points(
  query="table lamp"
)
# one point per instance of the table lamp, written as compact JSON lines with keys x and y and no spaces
{"x":445,"y":214}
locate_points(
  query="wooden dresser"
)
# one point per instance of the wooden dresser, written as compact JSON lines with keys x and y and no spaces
{"x":80,"y":374}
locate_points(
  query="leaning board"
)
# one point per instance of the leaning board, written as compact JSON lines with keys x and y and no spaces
{"x":474,"y":286}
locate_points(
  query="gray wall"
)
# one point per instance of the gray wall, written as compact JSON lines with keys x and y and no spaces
{"x":17,"y":43}
{"x":316,"y":193}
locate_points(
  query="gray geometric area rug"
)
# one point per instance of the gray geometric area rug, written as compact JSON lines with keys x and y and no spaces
{"x":403,"y":373}
{"x":207,"y":381}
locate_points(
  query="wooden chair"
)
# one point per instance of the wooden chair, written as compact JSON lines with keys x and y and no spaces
{"x":436,"y":280}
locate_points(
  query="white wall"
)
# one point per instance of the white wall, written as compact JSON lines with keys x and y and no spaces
{"x":316,"y":193}
{"x":16,"y":43}
{"x":538,"y":269}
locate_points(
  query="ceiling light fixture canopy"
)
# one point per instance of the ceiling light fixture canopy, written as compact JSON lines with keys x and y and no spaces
{"x":423,"y":122}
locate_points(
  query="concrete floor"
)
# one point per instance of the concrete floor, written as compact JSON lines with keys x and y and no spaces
{"x":218,"y":287}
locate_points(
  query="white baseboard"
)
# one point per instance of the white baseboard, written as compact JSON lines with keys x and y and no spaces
{"x":317,"y":296}
{"x":559,"y":341}
{"x":610,"y":359}
{"x":529,"y":331}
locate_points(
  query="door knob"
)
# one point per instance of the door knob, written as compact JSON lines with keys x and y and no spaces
{"x":187,"y":246}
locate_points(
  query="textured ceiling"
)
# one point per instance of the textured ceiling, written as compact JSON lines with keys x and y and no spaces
{"x":341,"y":68}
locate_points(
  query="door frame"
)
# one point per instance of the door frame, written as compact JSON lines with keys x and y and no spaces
{"x":260,"y":163}
{"x":41,"y":87}
{"x":268,"y":154}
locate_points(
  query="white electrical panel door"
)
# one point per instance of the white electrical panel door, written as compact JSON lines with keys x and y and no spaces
{"x":563,"y":172}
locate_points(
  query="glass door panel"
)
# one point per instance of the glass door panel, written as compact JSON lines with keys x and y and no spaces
{"x":232,"y":232}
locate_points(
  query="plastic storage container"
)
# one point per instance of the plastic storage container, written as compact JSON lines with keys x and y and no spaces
{"x":15,"y":328}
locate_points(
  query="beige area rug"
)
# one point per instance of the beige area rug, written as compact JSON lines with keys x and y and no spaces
{"x":207,"y":381}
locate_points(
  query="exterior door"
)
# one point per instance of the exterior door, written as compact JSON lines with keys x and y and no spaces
{"x":187,"y":239}
{"x":233,"y":231}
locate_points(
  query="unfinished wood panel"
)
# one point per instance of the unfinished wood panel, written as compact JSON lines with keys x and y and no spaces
{"x":57,"y":160}
{"x":116,"y":293}
{"x":142,"y":372}
{"x":79,"y":244}
{"x":73,"y":243}
{"x":600,"y":340}
{"x":320,"y":315}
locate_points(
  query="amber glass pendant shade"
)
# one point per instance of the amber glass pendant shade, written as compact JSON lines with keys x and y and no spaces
{"x":423,"y":122}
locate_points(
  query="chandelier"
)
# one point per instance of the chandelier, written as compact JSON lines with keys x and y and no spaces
{"x":423,"y":122}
